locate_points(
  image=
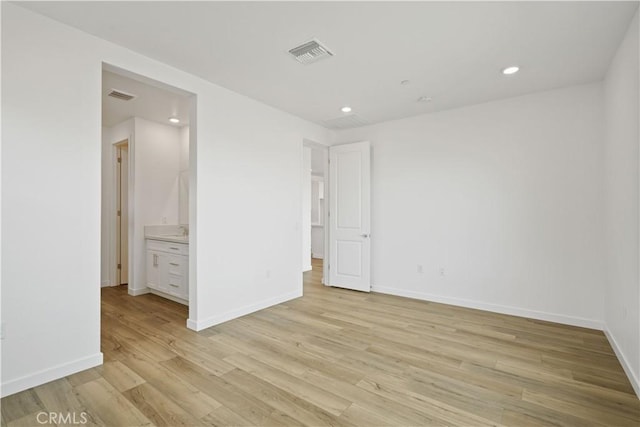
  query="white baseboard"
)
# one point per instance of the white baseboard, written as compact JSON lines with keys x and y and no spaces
{"x":317,"y":256}
{"x":169,"y":297}
{"x":50,"y":374}
{"x":198,"y":325}
{"x":105,"y":283}
{"x":633,"y":379}
{"x":495,"y":308}
{"x":136,"y":292}
{"x":193,"y":325}
{"x":307,"y":268}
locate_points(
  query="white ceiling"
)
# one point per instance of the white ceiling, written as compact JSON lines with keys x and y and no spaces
{"x":151,"y":103}
{"x":450,"y":51}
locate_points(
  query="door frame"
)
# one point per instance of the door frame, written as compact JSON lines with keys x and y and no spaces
{"x":115,"y":232}
{"x":325,"y":151}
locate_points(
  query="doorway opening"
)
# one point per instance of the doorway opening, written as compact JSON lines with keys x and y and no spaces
{"x":315,"y":173}
{"x":337,"y":191}
{"x":148,"y":194}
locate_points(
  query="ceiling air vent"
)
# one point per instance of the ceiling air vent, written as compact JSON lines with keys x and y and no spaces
{"x":346,"y":122}
{"x":310,"y":52}
{"x":118,"y":94}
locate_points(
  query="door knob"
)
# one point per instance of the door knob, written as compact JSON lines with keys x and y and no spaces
{"x":365,"y":235}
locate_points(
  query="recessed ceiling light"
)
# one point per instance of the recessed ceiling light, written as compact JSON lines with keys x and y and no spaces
{"x":404,"y":82}
{"x":346,"y":109}
{"x":424,"y":99}
{"x":510,"y":70}
{"x":174,"y":120}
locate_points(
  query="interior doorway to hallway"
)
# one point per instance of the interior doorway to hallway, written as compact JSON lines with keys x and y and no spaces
{"x":315,"y":169}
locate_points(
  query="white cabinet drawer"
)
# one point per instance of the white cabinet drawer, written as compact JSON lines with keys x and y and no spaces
{"x":169,"y":247}
{"x":177,"y":286}
{"x":177,"y":265}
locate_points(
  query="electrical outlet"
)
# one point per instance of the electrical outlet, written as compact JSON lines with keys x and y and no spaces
{"x":419,"y":268}
{"x":442,"y":271}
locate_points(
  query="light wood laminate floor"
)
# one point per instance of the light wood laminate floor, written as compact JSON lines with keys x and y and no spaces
{"x":337,"y":357}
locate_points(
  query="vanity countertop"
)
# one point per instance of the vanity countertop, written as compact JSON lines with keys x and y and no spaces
{"x":167,"y":233}
{"x":175,"y":238}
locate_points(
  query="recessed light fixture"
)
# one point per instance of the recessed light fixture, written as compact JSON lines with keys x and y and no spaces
{"x":346,"y":109}
{"x":424,"y":99}
{"x":404,"y":82}
{"x":174,"y":120}
{"x":510,"y":70}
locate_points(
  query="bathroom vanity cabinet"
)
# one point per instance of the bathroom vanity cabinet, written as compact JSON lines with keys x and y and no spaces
{"x":168,"y":269}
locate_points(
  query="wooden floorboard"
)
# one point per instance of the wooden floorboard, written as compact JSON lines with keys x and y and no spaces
{"x":338,"y":358}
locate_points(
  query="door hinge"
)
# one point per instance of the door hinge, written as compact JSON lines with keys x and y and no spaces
{"x":119,"y":266}
{"x":119,"y":213}
{"x":119,"y":159}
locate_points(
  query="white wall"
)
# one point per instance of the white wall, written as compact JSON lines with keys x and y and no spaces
{"x":622,"y":302}
{"x":248,"y":173}
{"x":317,"y":241}
{"x":183,"y":189}
{"x":504,"y":197}
{"x":306,"y":208}
{"x":51,"y":202}
{"x":184,"y":148}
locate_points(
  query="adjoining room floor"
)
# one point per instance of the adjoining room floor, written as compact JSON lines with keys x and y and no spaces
{"x":337,"y":357}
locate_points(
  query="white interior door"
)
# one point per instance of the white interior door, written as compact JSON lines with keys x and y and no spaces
{"x":350,"y":216}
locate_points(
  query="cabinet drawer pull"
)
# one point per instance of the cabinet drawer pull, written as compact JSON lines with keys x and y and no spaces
{"x":172,"y":285}
{"x":173,"y":263}
{"x":175,"y":249}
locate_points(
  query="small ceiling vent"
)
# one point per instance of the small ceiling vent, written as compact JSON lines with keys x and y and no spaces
{"x":118,"y":94}
{"x":346,"y":122}
{"x":310,"y":52}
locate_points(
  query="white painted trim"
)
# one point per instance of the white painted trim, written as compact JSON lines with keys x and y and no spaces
{"x":307,"y":268}
{"x":317,"y":256}
{"x":198,"y":325}
{"x":105,"y":283}
{"x":193,"y":199}
{"x":633,"y":379}
{"x":136,"y":292}
{"x":50,"y":374}
{"x":495,"y":308}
